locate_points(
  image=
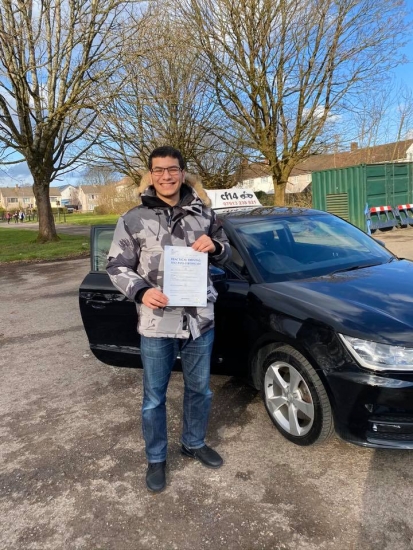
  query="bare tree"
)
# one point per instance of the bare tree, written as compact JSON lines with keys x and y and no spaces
{"x":283,"y":69}
{"x":383,"y":114}
{"x":54,"y":56}
{"x":114,"y":199}
{"x":404,"y":113}
{"x":99,"y":175}
{"x":166,"y":99}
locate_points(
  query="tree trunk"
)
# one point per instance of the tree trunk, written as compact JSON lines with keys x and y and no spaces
{"x":279,"y":192}
{"x":47,"y":228}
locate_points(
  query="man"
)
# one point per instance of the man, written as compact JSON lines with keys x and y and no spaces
{"x":174,"y":211}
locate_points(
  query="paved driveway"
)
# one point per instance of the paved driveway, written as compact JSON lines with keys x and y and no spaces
{"x":399,"y":241}
{"x":72,"y":461}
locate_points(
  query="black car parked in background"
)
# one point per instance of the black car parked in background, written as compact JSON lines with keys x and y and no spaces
{"x":313,"y":312}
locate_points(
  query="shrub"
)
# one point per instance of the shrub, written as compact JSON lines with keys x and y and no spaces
{"x":101,"y":209}
{"x":260,"y":194}
{"x":265,"y":200}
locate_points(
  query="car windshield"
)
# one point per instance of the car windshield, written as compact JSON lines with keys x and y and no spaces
{"x":300,"y":247}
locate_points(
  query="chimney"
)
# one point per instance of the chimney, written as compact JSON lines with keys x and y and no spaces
{"x":354,"y":146}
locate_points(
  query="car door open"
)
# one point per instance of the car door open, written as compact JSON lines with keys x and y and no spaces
{"x":109,"y":318}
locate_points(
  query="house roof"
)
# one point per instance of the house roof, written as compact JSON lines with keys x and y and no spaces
{"x":252,"y":171}
{"x":21,"y":192}
{"x":63,"y":187}
{"x":388,"y":152}
{"x":88,"y":189}
{"x":126,"y":181}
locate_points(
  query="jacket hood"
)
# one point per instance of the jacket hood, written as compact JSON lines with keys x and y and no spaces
{"x":190,"y":179}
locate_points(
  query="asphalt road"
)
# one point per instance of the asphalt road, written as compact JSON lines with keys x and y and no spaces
{"x":399,"y":241}
{"x":67,"y":229}
{"x":72,"y":463}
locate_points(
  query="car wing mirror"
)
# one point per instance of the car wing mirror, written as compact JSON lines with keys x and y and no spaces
{"x":217,"y":273}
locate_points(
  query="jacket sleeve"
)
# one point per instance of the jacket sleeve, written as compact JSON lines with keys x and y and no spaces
{"x":217,"y":234}
{"x":123,"y":259}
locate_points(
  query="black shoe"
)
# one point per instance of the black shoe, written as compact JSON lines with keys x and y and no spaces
{"x":155,"y":476}
{"x":205,"y":454}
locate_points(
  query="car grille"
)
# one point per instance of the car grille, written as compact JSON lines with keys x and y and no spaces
{"x":397,"y":428}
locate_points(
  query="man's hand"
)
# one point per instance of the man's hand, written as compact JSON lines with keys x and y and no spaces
{"x":204,"y":244}
{"x":154,"y":299}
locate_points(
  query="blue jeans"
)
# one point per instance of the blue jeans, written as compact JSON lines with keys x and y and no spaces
{"x":158,"y":358}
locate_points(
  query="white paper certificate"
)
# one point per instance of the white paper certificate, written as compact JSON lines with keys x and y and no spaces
{"x":185,"y":276}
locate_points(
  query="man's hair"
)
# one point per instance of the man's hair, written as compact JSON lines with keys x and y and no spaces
{"x":166,"y":151}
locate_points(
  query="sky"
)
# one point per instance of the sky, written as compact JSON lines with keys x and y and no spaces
{"x":19,"y":174}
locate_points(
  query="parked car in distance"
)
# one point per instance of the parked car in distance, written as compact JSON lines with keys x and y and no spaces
{"x":313,"y":312}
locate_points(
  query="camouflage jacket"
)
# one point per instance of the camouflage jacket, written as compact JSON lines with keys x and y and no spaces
{"x":135,"y":259}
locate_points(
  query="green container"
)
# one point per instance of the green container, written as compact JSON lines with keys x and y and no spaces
{"x":346,"y":191}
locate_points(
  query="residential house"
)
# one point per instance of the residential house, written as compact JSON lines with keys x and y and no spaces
{"x":89,"y":197}
{"x":255,"y":176}
{"x":69,"y":195}
{"x":55,"y":197}
{"x":16,"y":198}
{"x":126,"y":189}
{"x":22,"y":198}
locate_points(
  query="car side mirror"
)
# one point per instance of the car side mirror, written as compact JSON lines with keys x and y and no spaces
{"x":217,"y":274}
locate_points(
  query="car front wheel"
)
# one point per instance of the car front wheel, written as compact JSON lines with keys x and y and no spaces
{"x":295,"y":397}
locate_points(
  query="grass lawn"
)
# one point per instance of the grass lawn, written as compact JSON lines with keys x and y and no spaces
{"x":88,"y":218}
{"x":19,"y":245}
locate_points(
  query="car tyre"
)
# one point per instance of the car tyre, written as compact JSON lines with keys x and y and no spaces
{"x":295,"y":397}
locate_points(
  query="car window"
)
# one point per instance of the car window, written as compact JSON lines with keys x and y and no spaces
{"x":102,"y":239}
{"x":235,"y":267}
{"x":299,"y":247}
{"x":236,"y":258}
{"x":310,"y":232}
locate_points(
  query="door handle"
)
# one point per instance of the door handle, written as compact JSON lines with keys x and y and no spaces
{"x":93,"y":301}
{"x":96,"y":304}
{"x":102,"y":299}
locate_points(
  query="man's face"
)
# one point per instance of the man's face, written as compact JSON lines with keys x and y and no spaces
{"x":167,"y":185}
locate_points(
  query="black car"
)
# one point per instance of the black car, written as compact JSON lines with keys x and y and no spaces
{"x":313,"y":312}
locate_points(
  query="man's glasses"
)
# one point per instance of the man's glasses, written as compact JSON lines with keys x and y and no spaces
{"x":172,"y":171}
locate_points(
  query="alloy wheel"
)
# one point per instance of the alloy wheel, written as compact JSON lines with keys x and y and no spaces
{"x":288,"y":399}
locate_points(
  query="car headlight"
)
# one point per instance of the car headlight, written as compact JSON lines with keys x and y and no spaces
{"x":376,"y":356}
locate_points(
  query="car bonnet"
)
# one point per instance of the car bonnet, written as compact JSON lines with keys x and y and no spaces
{"x":374,"y":303}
